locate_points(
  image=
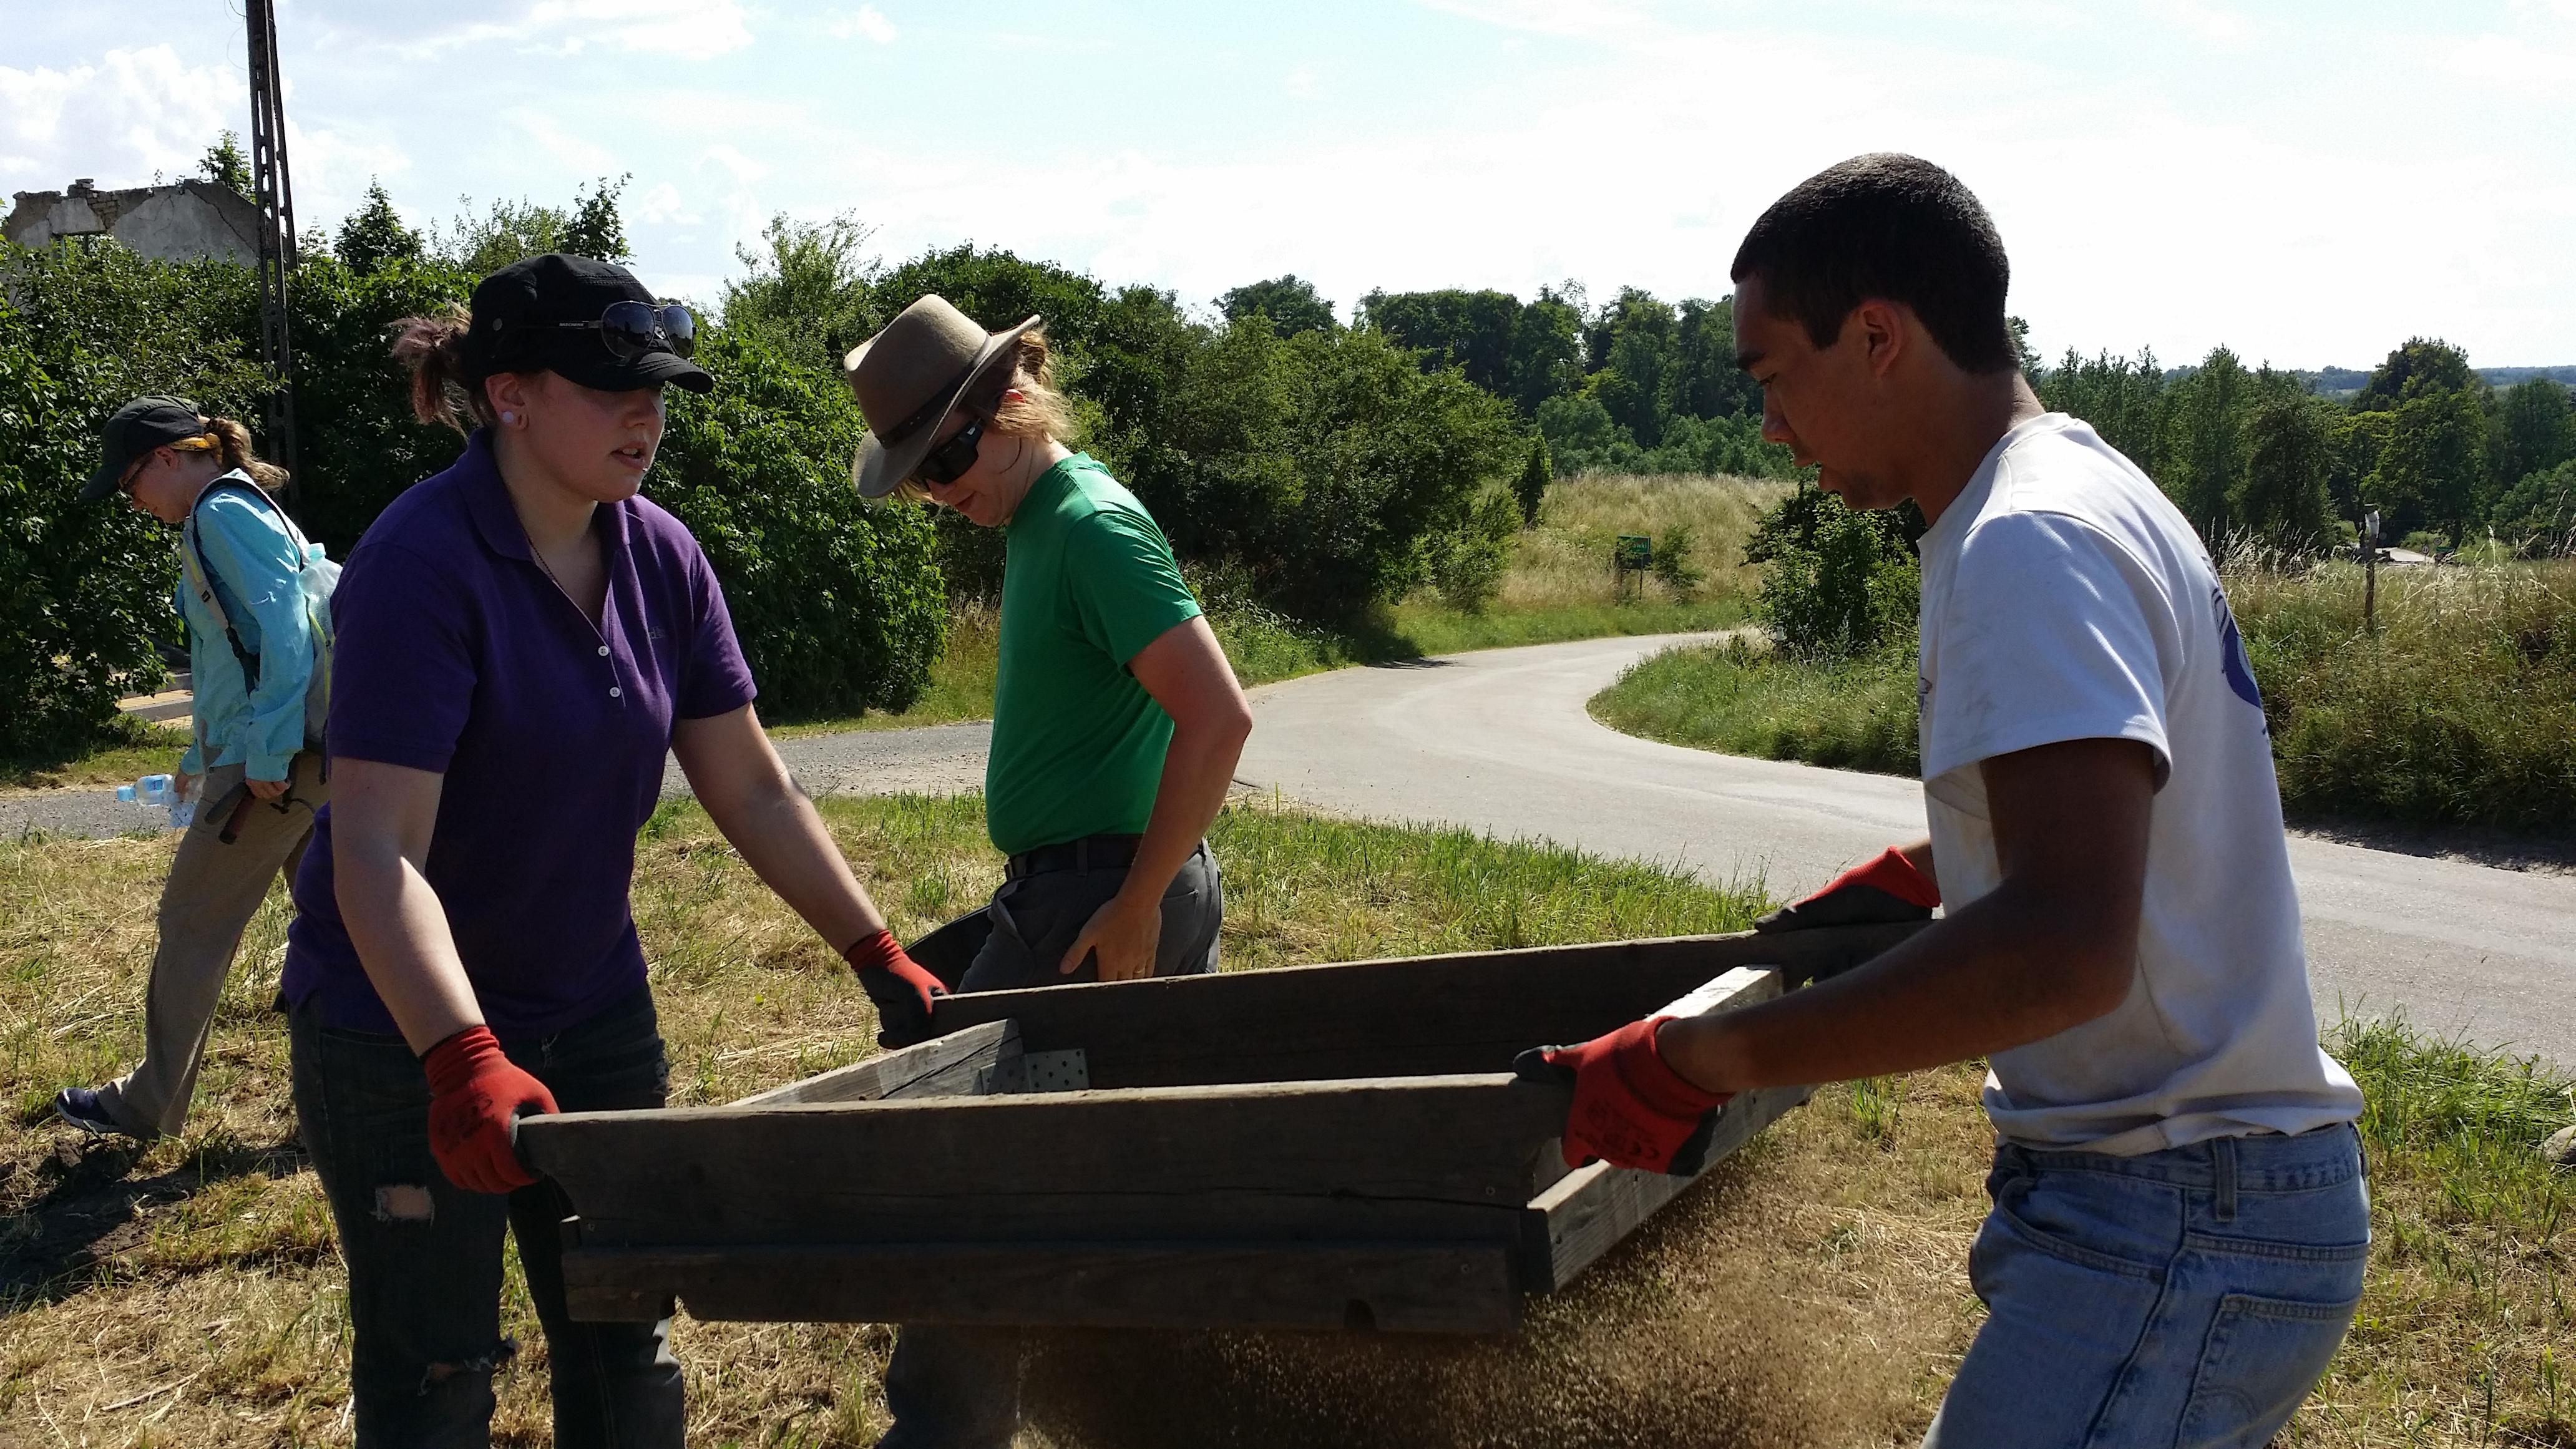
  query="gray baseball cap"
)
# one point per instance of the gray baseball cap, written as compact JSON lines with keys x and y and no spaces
{"x":136,"y":429}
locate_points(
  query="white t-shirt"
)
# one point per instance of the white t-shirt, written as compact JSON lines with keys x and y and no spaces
{"x":2065,"y":598}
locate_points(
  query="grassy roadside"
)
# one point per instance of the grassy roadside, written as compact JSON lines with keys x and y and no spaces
{"x":132,"y":750}
{"x":1812,"y":1293}
{"x":2458,"y":711}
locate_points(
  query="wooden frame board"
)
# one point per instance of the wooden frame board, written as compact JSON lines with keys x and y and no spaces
{"x":1314,"y":1147}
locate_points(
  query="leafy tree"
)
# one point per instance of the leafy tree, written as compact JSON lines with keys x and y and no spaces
{"x":1290,"y":302}
{"x":2361,"y":439}
{"x":839,"y":605}
{"x":374,"y":234}
{"x":998,"y":288}
{"x":2430,"y":472}
{"x":2289,"y":454}
{"x":2203,"y":454}
{"x":85,"y":588}
{"x":1527,"y":352}
{"x":226,"y":166}
{"x":810,"y":291}
{"x":1536,"y":476}
{"x":2123,"y":398}
{"x":2534,"y":429}
{"x":2422,"y":366}
{"x":510,"y":231}
{"x":2538,"y":515}
{"x":595,"y":228}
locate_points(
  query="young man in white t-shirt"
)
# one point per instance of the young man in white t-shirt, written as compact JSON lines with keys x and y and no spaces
{"x":2180,"y":1218}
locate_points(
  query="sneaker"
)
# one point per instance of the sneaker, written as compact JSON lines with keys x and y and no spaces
{"x":81,"y":1107}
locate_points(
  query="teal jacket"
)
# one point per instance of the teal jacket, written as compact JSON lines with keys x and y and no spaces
{"x":251,"y":560}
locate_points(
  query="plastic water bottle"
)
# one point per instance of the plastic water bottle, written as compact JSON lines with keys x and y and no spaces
{"x":125,"y":795}
{"x":183,"y":813}
{"x":153,"y":789}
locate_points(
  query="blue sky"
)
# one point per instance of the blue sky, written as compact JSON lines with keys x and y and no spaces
{"x":2309,"y":183}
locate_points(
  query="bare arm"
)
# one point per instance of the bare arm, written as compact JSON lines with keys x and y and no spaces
{"x":1186,"y":672}
{"x":747,"y":791}
{"x":381,"y":819}
{"x":2053,"y":946}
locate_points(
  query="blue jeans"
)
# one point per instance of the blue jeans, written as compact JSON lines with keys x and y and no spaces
{"x":424,"y":1256}
{"x":2183,"y":1299}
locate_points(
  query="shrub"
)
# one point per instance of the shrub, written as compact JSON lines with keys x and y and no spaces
{"x":85,"y":589}
{"x":1835,"y":581}
{"x":1677,"y":562}
{"x":2537,"y":516}
{"x":839,"y":605}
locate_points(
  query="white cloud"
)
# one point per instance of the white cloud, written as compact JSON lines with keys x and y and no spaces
{"x":2512,"y":61}
{"x":866,"y":23}
{"x":690,"y":29}
{"x":1300,"y":82}
{"x":2212,"y":23}
{"x":133,"y":113}
{"x":662,"y":203}
{"x":577,"y":153}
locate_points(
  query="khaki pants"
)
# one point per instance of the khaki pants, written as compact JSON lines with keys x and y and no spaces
{"x":213,"y":891}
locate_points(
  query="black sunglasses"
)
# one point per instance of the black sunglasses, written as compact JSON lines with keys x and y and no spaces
{"x":631,"y":329}
{"x":949,"y":461}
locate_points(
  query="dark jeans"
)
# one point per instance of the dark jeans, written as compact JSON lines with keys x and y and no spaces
{"x":424,"y":1256}
{"x":957,"y":1386}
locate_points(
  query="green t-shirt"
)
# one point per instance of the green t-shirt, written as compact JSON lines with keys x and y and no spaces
{"x":1077,"y":743}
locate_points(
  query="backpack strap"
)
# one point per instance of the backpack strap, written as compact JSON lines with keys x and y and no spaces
{"x":201,"y":574}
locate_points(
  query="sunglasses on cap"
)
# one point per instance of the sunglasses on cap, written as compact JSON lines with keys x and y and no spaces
{"x":631,"y":329}
{"x":949,"y":461}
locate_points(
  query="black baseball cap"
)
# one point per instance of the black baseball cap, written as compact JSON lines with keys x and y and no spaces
{"x":519,"y":325}
{"x":136,"y":429}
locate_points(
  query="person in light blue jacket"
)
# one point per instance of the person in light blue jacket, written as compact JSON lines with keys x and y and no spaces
{"x":255,"y":770}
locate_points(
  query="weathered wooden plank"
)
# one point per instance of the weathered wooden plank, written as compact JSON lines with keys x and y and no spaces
{"x":1408,"y":1287}
{"x":1589,"y":1210}
{"x":1578,"y":1218}
{"x":960,"y":1064}
{"x":1422,"y":1015}
{"x":1305,"y":1159}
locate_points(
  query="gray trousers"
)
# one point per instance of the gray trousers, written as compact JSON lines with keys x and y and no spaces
{"x":213,"y":891}
{"x":957,"y":1386}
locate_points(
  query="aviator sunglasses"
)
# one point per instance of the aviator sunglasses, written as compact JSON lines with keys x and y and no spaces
{"x":631,"y":329}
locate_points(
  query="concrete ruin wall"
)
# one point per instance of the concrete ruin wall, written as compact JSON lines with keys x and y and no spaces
{"x":179,"y":223}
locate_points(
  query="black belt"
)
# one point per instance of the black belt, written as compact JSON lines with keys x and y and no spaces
{"x":1091,"y":852}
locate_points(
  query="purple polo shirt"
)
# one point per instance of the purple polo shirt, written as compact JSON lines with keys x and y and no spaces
{"x":458,"y":655}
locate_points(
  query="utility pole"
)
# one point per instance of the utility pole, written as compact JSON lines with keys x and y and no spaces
{"x":276,"y":201}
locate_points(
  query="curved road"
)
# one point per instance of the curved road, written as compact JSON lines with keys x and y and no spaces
{"x":1499,"y":741}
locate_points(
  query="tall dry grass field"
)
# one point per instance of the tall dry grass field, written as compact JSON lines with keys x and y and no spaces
{"x":1565,"y":560}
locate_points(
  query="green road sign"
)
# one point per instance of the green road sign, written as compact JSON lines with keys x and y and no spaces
{"x":1636,"y":551}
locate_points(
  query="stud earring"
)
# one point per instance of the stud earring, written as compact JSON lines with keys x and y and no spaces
{"x":512,"y":419}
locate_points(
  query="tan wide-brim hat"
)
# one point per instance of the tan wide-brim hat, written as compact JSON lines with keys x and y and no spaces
{"x":908,"y":379}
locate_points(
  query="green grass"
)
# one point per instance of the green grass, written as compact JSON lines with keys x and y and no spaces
{"x":1744,"y":699}
{"x":129,"y":750}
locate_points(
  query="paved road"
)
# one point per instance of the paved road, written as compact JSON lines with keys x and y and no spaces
{"x":1500,"y":741}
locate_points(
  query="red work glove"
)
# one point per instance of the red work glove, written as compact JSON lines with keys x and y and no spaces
{"x":902,"y":988}
{"x":474,"y":1091}
{"x":1884,"y":889}
{"x":1630,"y":1108}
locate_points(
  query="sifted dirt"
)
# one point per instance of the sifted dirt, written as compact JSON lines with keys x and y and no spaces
{"x":1752,"y":1312}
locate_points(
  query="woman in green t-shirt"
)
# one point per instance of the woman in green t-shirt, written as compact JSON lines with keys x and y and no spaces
{"x":1117,"y":723}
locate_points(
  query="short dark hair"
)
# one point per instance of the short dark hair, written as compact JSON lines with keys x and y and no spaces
{"x":1891,"y":226}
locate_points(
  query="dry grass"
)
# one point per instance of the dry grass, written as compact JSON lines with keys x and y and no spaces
{"x":1810,"y":1293}
{"x":1565,"y":560}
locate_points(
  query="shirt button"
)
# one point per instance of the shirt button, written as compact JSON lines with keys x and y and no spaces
{"x":603,"y":651}
{"x":615,"y":693}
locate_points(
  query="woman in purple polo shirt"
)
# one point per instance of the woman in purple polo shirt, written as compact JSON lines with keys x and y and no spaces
{"x":521,"y":638}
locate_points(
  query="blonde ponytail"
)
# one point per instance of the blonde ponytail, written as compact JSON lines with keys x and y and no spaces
{"x":432,"y":350}
{"x":232,"y":444}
